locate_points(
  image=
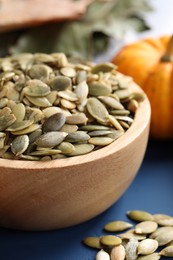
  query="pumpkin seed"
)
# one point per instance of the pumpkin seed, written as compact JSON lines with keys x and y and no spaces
{"x":167,"y":251}
{"x":115,"y":123}
{"x":99,"y":89}
{"x":39,"y":101}
{"x":146,"y":227}
{"x":54,"y":122}
{"x":68,"y":104}
{"x":18,"y":111}
{"x":139,"y":215}
{"x":103,"y":67}
{"x":3,"y":102}
{"x":164,"y":238}
{"x":97,"y":110}
{"x":99,"y":133}
{"x":102,"y":255}
{"x":121,"y":112}
{"x":160,"y":231}
{"x":100,"y":141}
{"x":111,"y":102}
{"x":6,"y":121}
{"x":36,"y":88}
{"x":78,"y":136}
{"x":160,"y":216}
{"x":68,"y":94}
{"x":123,"y":93}
{"x":118,"y":253}
{"x":34,"y":135}
{"x":94,"y":127}
{"x":50,"y":139}
{"x":2,"y":140}
{"x":29,"y":157}
{"x":81,"y":149}
{"x":76,"y":119}
{"x":45,"y":152}
{"x":110,"y":240}
{"x":132,"y":105}
{"x":16,"y":126}
{"x":60,"y":83}
{"x":147,"y":246}
{"x":68,"y":72}
{"x":81,"y":91}
{"x":66,"y":148}
{"x":20,"y":144}
{"x":93,"y":242}
{"x":131,"y":249}
{"x":165,"y":222}
{"x":116,"y":226}
{"x":69,"y":128}
{"x":27,"y":130}
{"x":49,"y":111}
{"x":40,"y":71}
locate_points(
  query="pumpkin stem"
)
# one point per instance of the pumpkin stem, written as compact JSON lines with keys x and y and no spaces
{"x":168,"y":56}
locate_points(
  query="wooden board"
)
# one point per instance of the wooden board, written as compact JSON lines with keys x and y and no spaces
{"x":15,"y":14}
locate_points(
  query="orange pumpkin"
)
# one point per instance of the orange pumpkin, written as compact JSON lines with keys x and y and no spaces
{"x":150,"y":63}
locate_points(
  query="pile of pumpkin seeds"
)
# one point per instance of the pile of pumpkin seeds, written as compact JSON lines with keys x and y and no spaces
{"x":51,"y":108}
{"x":148,"y":239}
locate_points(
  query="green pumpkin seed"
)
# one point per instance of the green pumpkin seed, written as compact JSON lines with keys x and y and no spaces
{"x":139,"y":215}
{"x":68,"y":104}
{"x":60,"y":83}
{"x":29,"y":157}
{"x":123,"y":93}
{"x":54,"y":122}
{"x":110,"y":240}
{"x":27,"y":130}
{"x":158,"y":217}
{"x":34,"y":114}
{"x":52,"y":97}
{"x":130,"y":234}
{"x":45,"y":152}
{"x":49,"y":111}
{"x":81,"y":91}
{"x":81,"y":76}
{"x":103,"y":67}
{"x":115,"y":134}
{"x":161,"y":230}
{"x":3,"y":102}
{"x":111,"y":102}
{"x":125,"y":118}
{"x":66,"y":148}
{"x":99,"y":133}
{"x":115,"y":123}
{"x":99,"y":89}
{"x":146,"y":227}
{"x":78,"y":136}
{"x":76,"y":119}
{"x":40,"y":71}
{"x":68,"y":94}
{"x":132,"y":105}
{"x":16,"y":126}
{"x":19,"y":111}
{"x":97,"y":110}
{"x":6,"y":121}
{"x":100,"y":141}
{"x":167,"y":251}
{"x":58,"y":156}
{"x":2,"y":140}
{"x":36,"y":88}
{"x":69,"y":128}
{"x":50,"y":139}
{"x":39,"y":101}
{"x":20,"y":144}
{"x":166,"y":222}
{"x":116,"y":226}
{"x":43,"y":58}
{"x":121,"y":112}
{"x":93,"y":242}
{"x":81,"y":149}
{"x":34,"y":135}
{"x":68,"y":72}
{"x":147,"y":246}
{"x":94,"y":127}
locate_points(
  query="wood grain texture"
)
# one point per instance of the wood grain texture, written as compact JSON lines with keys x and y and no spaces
{"x":60,"y":193}
{"x":17,"y":14}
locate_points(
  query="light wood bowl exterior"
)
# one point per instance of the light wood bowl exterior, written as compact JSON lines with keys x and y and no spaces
{"x":60,"y":193}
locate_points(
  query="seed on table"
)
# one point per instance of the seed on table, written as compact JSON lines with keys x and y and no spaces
{"x":116,"y":226}
{"x":131,"y":233}
{"x":139,"y":215}
{"x":118,"y":253}
{"x":161,"y":230}
{"x":166,"y":222}
{"x":167,"y":251}
{"x":110,"y":240}
{"x":146,"y":227}
{"x":92,"y":242}
{"x":147,"y":246}
{"x":158,"y":217}
{"x":131,"y":249}
{"x":164,"y":238}
{"x":102,"y":255}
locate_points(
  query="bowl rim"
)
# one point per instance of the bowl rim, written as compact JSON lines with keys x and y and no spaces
{"x":141,"y":121}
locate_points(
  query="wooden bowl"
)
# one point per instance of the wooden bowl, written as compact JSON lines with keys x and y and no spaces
{"x":64,"y":192}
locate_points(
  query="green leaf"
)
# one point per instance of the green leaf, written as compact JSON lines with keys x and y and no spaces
{"x":90,"y":34}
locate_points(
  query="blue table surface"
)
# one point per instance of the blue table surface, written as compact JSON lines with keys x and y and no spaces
{"x":152,"y":190}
